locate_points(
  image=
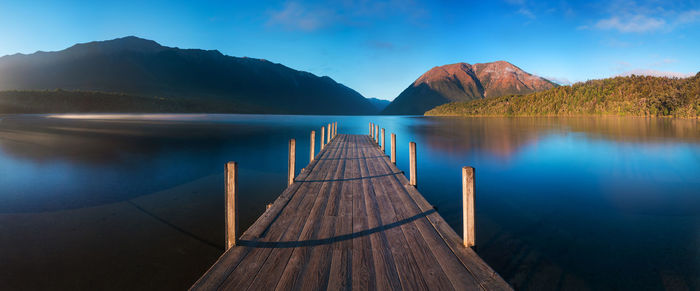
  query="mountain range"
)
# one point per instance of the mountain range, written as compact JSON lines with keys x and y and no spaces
{"x":464,"y":82}
{"x":132,"y":74}
{"x":133,"y":66}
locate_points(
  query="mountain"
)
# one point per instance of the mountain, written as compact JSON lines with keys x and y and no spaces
{"x":625,"y":96}
{"x":379,"y":104}
{"x":133,"y":66}
{"x":463,"y":82}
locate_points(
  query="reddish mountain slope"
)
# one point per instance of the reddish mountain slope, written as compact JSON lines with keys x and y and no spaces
{"x":463,"y":82}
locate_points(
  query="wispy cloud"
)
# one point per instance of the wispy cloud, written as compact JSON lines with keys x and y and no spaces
{"x":651,"y":16}
{"x":656,"y":73}
{"x":633,"y":23}
{"x":526,"y":12}
{"x":300,"y":15}
{"x":559,"y":80}
{"x":522,"y":8}
{"x":295,"y":16}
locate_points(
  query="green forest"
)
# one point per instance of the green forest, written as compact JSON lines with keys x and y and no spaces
{"x":622,"y":96}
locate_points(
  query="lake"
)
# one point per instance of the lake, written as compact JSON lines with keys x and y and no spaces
{"x":137,"y":201}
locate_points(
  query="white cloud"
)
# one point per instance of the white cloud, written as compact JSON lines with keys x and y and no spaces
{"x":689,"y":16}
{"x":526,"y":12}
{"x":656,"y":73}
{"x":295,"y":16}
{"x":559,"y":80}
{"x":311,"y":16}
{"x":633,"y":23}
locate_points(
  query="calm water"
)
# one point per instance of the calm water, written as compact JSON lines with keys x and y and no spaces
{"x":137,"y":203}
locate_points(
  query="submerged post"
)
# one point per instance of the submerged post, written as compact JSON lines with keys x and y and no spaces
{"x":383,"y":143}
{"x":468,"y":213}
{"x":312,"y":146}
{"x":323,"y":137}
{"x":292,"y":160}
{"x":231,"y":174}
{"x":393,"y":148}
{"x":412,"y":167}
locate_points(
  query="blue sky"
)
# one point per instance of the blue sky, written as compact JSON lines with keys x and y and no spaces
{"x":380,"y":47}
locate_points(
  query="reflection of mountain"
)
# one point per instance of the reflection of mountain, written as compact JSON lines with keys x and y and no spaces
{"x":183,"y":80}
{"x":504,"y":136}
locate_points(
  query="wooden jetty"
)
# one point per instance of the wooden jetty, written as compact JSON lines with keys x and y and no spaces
{"x":350,"y":220}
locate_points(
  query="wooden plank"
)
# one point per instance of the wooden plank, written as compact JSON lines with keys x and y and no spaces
{"x":269,"y":261}
{"x":341,"y":261}
{"x":363,"y":268}
{"x":386,"y":263}
{"x":315,"y":274}
{"x":415,"y":270}
{"x":313,"y":224}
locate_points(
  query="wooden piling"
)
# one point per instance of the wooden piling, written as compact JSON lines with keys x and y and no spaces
{"x":231,"y":174}
{"x":376,"y":134}
{"x":468,"y":213}
{"x":383,"y":143}
{"x":371,"y":129}
{"x":329,"y":133}
{"x":412,"y":167}
{"x":312,"y":145}
{"x":292,"y":161}
{"x":393,"y":148}
{"x":323,"y":137}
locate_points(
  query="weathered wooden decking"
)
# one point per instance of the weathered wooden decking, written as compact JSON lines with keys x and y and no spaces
{"x":350,"y":221}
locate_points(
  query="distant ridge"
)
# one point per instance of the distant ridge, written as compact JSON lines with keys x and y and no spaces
{"x":463,"y":82}
{"x":206,"y":78}
{"x":379,"y":104}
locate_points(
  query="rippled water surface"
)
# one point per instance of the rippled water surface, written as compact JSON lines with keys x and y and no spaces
{"x":136,"y":201}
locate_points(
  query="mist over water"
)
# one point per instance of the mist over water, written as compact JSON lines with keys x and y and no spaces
{"x":572,"y":203}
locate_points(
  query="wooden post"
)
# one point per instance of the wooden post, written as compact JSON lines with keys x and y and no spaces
{"x":371,"y":129}
{"x":268,"y":206}
{"x":468,"y":213}
{"x":383,"y":143}
{"x":412,"y":167}
{"x":376,"y":138}
{"x":231,"y":176}
{"x":323,"y":136}
{"x":393,"y":148}
{"x":376,"y":133}
{"x":292,"y":160}
{"x":329,"y":133}
{"x":312,"y":146}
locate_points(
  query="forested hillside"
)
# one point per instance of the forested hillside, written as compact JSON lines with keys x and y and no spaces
{"x":625,"y":96}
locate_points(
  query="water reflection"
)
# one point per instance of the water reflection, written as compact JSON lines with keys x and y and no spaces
{"x":562,"y":203}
